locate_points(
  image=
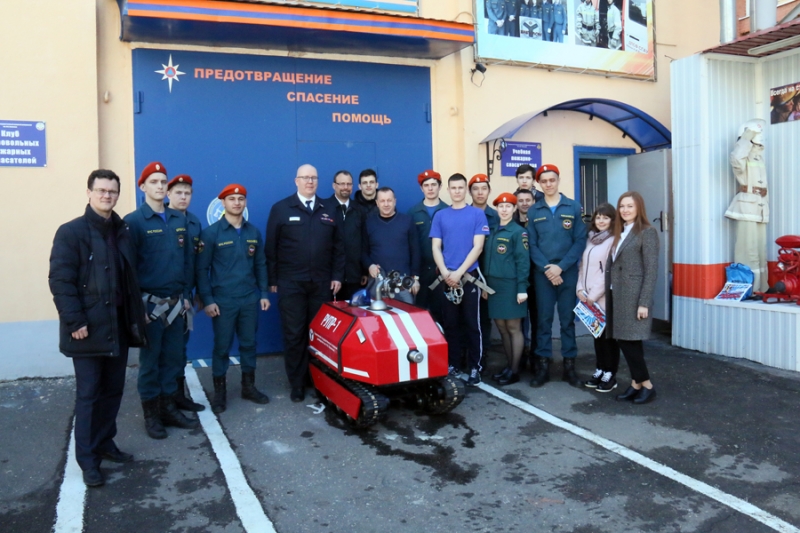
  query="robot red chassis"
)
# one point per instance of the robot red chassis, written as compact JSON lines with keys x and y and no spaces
{"x":361,"y":357}
{"x":787,"y":272}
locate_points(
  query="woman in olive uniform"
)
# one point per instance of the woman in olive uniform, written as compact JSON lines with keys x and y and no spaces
{"x":506,"y":267}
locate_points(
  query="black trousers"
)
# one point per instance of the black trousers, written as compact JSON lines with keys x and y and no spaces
{"x":99,"y":384}
{"x":607,"y":353}
{"x":634,"y":356}
{"x":462,"y":320}
{"x":533,"y":317}
{"x":298,"y":302}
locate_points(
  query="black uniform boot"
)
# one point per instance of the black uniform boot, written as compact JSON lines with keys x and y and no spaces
{"x":152,"y":419}
{"x":249,"y":390}
{"x":183,"y":400}
{"x":170,"y":416}
{"x":569,"y":374}
{"x":542,"y":374}
{"x":220,"y":401}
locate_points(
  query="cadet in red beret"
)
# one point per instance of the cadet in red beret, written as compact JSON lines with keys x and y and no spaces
{"x":547,"y":168}
{"x":153,"y":168}
{"x":165,"y":268}
{"x":506,"y":265}
{"x":232,"y":284}
{"x":557,"y":240}
{"x":430,"y":182}
{"x":233,"y":188}
{"x":179,"y":191}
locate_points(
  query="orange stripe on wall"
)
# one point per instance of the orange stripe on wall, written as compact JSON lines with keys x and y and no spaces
{"x":302,"y":11}
{"x":302,"y":24}
{"x":698,"y":281}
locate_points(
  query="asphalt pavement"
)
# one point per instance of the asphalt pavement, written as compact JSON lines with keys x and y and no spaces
{"x":716,"y":452}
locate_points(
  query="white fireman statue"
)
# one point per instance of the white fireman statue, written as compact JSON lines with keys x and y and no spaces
{"x":750,"y":206}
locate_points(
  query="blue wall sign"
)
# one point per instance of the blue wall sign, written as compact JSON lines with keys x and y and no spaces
{"x":517,"y":154}
{"x":22,"y":144}
{"x":253,"y":120}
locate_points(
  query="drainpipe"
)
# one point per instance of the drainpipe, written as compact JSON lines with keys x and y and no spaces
{"x":763,"y":14}
{"x":728,"y":21}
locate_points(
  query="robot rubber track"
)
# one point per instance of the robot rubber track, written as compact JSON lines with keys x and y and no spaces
{"x":371,"y":406}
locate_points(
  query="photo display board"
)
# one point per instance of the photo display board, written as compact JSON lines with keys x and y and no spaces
{"x":608,"y":37}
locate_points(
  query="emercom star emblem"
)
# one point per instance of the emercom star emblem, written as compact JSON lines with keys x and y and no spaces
{"x":170,"y":72}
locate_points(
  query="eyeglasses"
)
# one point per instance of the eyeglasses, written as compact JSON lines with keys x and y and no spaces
{"x":106,"y":192}
{"x":343,"y":184}
{"x":308,"y":178}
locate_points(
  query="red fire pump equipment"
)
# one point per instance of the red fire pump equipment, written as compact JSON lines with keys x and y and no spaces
{"x":364,"y":355}
{"x":787,"y":272}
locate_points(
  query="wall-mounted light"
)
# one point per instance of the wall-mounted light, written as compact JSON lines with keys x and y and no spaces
{"x":479,"y":67}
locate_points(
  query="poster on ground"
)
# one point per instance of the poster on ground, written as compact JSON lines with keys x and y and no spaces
{"x":608,"y":37}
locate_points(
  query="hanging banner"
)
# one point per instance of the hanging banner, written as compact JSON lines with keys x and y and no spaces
{"x":404,"y":6}
{"x":606,"y":37}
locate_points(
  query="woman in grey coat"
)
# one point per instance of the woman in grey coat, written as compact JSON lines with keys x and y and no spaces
{"x":631,"y":278}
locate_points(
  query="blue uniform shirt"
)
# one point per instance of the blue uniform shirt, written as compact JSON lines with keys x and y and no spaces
{"x":194,"y":228}
{"x":164,"y":263}
{"x":558,"y":237}
{"x":231,"y":264}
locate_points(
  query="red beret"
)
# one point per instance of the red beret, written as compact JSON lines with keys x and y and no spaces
{"x":505,"y":198}
{"x":233,"y":188}
{"x":428,"y":174}
{"x":182,"y":178}
{"x":153,"y":168}
{"x":547,"y":168}
{"x":478,"y":178}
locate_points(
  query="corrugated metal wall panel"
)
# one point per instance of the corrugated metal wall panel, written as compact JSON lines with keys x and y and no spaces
{"x":782,"y":156}
{"x":767,"y":335}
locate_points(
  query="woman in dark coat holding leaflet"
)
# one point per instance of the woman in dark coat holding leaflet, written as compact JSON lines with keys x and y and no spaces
{"x":631,"y":278}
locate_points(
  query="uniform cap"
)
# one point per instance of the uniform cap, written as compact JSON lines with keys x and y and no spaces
{"x":547,"y":168}
{"x":182,"y":178}
{"x":428,"y":174}
{"x":478,"y":178}
{"x":153,"y":168}
{"x":233,"y":188}
{"x":505,"y":198}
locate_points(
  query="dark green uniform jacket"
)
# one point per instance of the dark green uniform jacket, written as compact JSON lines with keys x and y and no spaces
{"x":556,"y":238}
{"x":505,"y":255}
{"x":163,"y":260}
{"x":419,"y":214}
{"x":231,"y":265}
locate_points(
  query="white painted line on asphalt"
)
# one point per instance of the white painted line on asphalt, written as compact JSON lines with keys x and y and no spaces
{"x":252,"y":515}
{"x":72,"y":495}
{"x":724,"y":498}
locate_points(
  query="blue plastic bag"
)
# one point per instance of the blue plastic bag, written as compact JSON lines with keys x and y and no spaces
{"x":739,"y":273}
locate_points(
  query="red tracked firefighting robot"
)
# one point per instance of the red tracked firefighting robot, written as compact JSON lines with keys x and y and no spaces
{"x":787,"y":272}
{"x":364,"y":355}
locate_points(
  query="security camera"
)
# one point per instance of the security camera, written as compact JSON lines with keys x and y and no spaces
{"x":480,"y":67}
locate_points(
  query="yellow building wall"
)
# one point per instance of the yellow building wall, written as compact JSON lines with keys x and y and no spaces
{"x":73,"y":72}
{"x":49,"y":72}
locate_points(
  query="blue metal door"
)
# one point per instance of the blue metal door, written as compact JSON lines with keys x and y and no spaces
{"x":224,"y":118}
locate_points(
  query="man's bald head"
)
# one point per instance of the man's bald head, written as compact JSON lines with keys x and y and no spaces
{"x":307,"y":181}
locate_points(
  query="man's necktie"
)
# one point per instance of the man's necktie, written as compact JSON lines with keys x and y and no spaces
{"x":308,"y":206}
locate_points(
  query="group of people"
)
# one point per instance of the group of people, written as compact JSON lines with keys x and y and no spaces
{"x":504,"y":18}
{"x":136,"y":281}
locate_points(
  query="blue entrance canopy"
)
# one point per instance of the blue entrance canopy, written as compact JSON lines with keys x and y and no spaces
{"x":643,"y":129}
